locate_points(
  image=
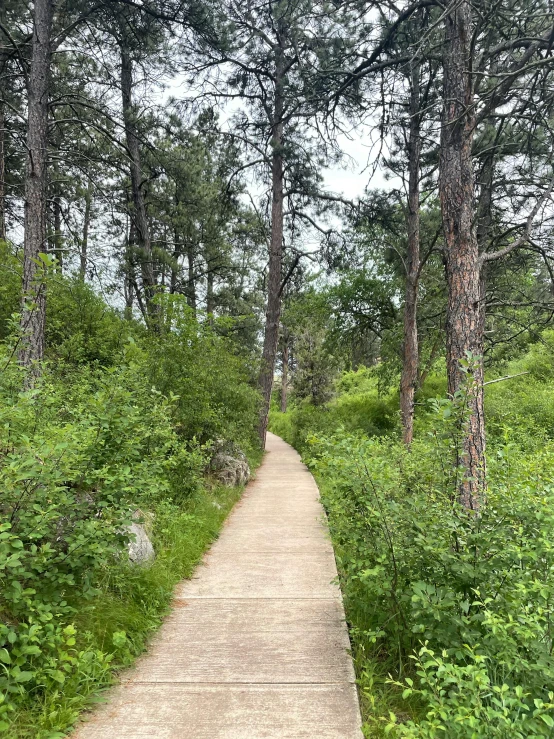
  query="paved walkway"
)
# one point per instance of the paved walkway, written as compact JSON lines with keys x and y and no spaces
{"x":256,"y":646}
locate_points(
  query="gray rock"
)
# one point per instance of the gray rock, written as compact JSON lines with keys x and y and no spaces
{"x":140,"y":547}
{"x":229,"y":464}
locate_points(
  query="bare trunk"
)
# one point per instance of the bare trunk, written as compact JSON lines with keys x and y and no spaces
{"x":191,"y":279}
{"x":129,"y":281}
{"x":463,"y":324}
{"x":273,"y":310}
{"x":210,"y":297}
{"x":84,"y":240}
{"x":3,"y":70}
{"x":175,"y":265}
{"x":410,"y":359}
{"x":33,"y":310}
{"x":58,"y":239}
{"x":2,"y":171}
{"x":285,"y":377}
{"x":138,"y":214}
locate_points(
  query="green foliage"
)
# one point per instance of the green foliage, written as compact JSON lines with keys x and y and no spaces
{"x":10,"y":287}
{"x":523,"y":407}
{"x":75,"y":459}
{"x":463,"y":702}
{"x":118,"y":421}
{"x":197,"y":364}
{"x":467,"y":599}
{"x":358,"y":406}
{"x":81,"y":327}
{"x":305,"y":328}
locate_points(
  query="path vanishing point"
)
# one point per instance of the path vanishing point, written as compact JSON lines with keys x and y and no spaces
{"x":256,"y":646}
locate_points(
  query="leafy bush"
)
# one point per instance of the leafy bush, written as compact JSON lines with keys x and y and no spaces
{"x":10,"y":287}
{"x":214,"y":393}
{"x":468,"y":598}
{"x":75,"y":459}
{"x":81,"y":328}
{"x":357,"y":407}
{"x":115,"y":424}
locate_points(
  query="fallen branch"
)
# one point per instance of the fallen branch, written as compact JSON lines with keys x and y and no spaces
{"x":501,"y":379}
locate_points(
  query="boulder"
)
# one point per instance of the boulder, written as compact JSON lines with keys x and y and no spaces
{"x":140,"y":548}
{"x":229,"y":464}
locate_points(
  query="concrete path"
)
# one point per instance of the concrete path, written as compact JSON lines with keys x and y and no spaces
{"x":256,"y":646}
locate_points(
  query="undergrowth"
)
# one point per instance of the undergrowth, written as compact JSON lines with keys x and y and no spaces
{"x":450,"y":613}
{"x":117,"y":422}
{"x":115,"y":627}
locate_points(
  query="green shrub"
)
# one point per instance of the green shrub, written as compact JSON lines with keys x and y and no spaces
{"x":81,"y":328}
{"x":420,"y":573}
{"x":78,"y":454}
{"x":212,"y":385}
{"x":10,"y":287}
{"x":358,"y":408}
{"x":75,"y":460}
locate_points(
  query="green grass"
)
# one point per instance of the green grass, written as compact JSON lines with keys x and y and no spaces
{"x":378,"y":697}
{"x":116,"y":626}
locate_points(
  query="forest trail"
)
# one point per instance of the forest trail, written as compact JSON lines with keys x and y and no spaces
{"x":256,"y":646}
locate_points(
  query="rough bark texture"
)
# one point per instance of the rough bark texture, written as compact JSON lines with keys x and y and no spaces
{"x":273,"y":310}
{"x":285,"y":377}
{"x":139,"y":214}
{"x":57,"y":240}
{"x":84,"y":241}
{"x":191,"y":279}
{"x":463,"y":323}
{"x":33,"y":311}
{"x":2,"y":170}
{"x":3,"y":71}
{"x":210,"y":297}
{"x":410,"y":347}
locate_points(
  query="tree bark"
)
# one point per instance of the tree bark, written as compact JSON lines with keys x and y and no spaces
{"x":410,"y":359}
{"x":210,"y":297}
{"x":84,"y":241}
{"x":191,"y":279}
{"x":2,"y":138}
{"x":456,"y":186}
{"x":273,"y":309}
{"x":2,"y":171}
{"x":129,"y":281}
{"x":33,"y":310}
{"x":285,"y":377}
{"x":174,"y":268}
{"x":58,"y":239}
{"x":138,"y":214}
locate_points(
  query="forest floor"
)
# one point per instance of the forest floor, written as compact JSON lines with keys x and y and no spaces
{"x":256,"y":644}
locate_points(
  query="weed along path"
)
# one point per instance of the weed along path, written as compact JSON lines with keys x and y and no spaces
{"x":256,"y":646}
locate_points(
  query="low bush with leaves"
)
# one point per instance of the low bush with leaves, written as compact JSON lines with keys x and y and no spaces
{"x":456,"y":608}
{"x":110,"y":427}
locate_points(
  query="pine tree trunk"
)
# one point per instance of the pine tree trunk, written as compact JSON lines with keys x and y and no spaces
{"x":410,"y":359}
{"x":456,"y":185}
{"x":139,"y":214}
{"x":191,"y":279}
{"x":2,"y":171}
{"x":84,"y":241}
{"x":210,"y":298}
{"x":3,"y":71}
{"x":33,"y":311}
{"x":273,"y":310}
{"x":175,"y":265}
{"x":285,"y":377}
{"x":58,"y":239}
